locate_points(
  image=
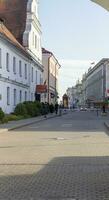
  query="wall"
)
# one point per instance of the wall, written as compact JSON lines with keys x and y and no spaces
{"x":15,"y":80}
{"x":95,"y":85}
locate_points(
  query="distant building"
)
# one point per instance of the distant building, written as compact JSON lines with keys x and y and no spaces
{"x":65,"y":101}
{"x":78,"y":94}
{"x":71,"y":93}
{"x":51,"y":69}
{"x":20,"y":52}
{"x":97,"y":83}
{"x":83,"y":90}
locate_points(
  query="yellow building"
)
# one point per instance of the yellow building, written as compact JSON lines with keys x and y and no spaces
{"x":51,"y":69}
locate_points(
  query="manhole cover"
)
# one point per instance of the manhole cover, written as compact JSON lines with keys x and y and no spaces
{"x":86,"y":136}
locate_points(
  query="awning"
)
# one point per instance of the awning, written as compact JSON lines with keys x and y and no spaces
{"x":103,"y":3}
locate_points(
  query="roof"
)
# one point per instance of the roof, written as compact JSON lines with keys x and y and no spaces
{"x":101,"y":62}
{"x":6,"y":34}
{"x":14,"y":13}
{"x":10,"y":37}
{"x":44,"y":51}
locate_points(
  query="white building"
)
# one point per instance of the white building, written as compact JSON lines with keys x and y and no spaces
{"x":20,"y":64}
{"x":97,"y":83}
{"x":71,"y":93}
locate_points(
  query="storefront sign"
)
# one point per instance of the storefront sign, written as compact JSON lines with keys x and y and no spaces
{"x":41,"y":89}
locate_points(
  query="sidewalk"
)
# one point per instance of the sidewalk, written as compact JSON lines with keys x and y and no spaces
{"x":24,"y":122}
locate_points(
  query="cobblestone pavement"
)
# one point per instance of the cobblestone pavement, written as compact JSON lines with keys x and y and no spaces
{"x":65,"y":158}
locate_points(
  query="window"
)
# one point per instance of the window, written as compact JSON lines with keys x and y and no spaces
{"x":25,"y":71}
{"x":0,"y":58}
{"x":38,"y":45}
{"x":14,"y":65}
{"x":20,"y":68}
{"x":33,"y":38}
{"x":31,"y":96}
{"x":40,"y":79}
{"x":15,"y":97}
{"x":20,"y":97}
{"x":25,"y":95}
{"x":8,"y":96}
{"x":7,"y":62}
{"x":32,"y":74}
{"x":36,"y":77}
{"x":35,"y":41}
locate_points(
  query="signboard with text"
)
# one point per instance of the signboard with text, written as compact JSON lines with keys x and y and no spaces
{"x":41,"y":89}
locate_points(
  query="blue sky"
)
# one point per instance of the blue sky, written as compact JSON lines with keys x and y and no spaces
{"x":77,"y":32}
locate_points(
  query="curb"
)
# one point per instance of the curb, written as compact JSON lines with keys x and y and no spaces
{"x":106,"y":125}
{"x":27,"y":123}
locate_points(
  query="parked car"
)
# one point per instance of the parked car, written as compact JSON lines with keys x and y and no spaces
{"x":83,"y":109}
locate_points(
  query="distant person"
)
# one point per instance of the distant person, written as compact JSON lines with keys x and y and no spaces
{"x":103,"y":109}
{"x":56,"y":108}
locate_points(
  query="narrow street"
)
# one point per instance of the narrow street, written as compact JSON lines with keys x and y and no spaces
{"x":64,"y":158}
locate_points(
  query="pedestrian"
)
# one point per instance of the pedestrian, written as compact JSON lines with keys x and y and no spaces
{"x":56,"y":108}
{"x":103,"y":109}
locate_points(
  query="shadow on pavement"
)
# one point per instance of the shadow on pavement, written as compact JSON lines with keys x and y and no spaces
{"x":63,"y":178}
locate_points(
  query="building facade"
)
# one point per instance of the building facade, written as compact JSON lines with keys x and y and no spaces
{"x":97,"y":82}
{"x":20,"y":53}
{"x":72,"y":98}
{"x":83,"y":91}
{"x":51,"y":69}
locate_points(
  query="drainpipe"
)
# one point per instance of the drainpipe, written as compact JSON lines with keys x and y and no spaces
{"x":55,"y":82}
{"x":49,"y":78}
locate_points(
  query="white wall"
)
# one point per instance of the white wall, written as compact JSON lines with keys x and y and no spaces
{"x":14,"y":80}
{"x":32,"y":34}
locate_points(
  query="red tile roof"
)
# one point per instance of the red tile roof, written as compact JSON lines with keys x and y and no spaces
{"x":14,"y":13}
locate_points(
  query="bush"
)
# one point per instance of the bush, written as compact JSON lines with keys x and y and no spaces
{"x":31,"y":109}
{"x":20,"y":109}
{"x":13,"y":117}
{"x":5,"y":120}
{"x":2,"y":115}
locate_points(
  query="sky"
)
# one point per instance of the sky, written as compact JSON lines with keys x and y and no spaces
{"x":77,"y":32}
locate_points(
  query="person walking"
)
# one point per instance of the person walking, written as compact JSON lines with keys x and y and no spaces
{"x":56,"y":108}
